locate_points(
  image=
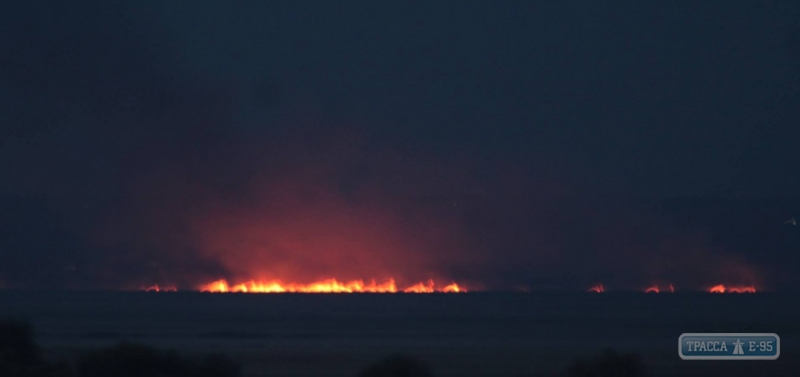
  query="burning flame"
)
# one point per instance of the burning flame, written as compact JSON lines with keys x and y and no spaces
{"x":156,"y":288}
{"x":717,"y":289}
{"x":453,"y":288}
{"x":325,"y":286}
{"x":656,"y":289}
{"x":721,"y":288}
{"x":420,"y":288}
{"x":387,"y":286}
{"x":597,"y":288}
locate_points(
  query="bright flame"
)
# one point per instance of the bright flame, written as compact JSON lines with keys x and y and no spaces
{"x":720,"y":288}
{"x":420,"y":288}
{"x":597,"y":288}
{"x":453,"y":288}
{"x":325,"y":286}
{"x":653,"y":289}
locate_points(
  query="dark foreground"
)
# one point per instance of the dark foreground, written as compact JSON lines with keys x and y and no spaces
{"x":475,"y":334}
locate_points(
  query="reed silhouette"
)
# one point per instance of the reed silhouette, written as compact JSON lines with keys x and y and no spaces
{"x":609,"y":364}
{"x":397,"y":366}
{"x":136,"y":360}
{"x":20,"y":356}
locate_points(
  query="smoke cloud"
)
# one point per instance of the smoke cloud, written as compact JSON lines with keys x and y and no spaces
{"x":128,"y":168}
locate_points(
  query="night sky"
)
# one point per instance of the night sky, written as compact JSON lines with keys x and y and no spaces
{"x":506,"y":145}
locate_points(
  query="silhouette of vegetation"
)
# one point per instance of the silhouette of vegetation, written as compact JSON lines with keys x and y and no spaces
{"x":130,"y":360}
{"x":21,"y":357}
{"x":609,"y":364}
{"x":17,"y":344}
{"x":397,"y":366}
{"x":135,"y":360}
{"x":217,"y":365}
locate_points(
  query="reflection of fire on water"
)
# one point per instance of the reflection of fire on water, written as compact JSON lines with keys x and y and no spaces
{"x":721,"y":288}
{"x":597,"y":288}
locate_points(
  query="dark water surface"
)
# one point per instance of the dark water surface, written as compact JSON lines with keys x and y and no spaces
{"x":474,"y":334}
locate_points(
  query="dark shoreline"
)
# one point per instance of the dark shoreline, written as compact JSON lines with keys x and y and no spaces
{"x":466,"y":334}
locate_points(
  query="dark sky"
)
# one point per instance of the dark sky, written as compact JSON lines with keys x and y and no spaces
{"x":504,"y":144}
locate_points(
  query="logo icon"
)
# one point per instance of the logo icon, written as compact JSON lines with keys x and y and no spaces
{"x":729,"y":346}
{"x":738,"y":349}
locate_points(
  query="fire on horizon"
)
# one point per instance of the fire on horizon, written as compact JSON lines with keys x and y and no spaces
{"x":719,"y":288}
{"x":327,"y":286}
{"x":388,"y":286}
{"x":321,"y":286}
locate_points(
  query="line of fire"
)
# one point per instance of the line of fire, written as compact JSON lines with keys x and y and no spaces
{"x":390,"y":286}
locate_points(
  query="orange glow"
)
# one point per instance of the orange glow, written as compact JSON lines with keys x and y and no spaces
{"x":156,"y":288}
{"x":597,"y":288}
{"x":720,"y":288}
{"x":325,"y":286}
{"x":420,"y":288}
{"x":454,"y":288}
{"x":657,"y":289}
